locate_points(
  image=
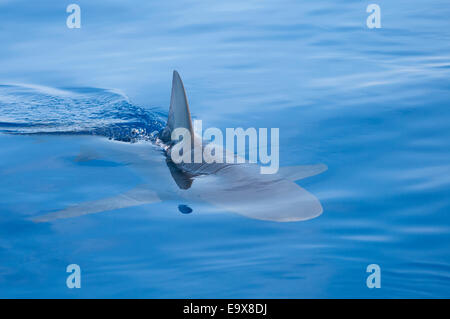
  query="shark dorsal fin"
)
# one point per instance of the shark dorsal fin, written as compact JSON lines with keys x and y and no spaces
{"x":179,"y":114}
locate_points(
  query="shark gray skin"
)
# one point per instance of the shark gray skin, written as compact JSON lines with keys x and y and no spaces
{"x":237,"y":188}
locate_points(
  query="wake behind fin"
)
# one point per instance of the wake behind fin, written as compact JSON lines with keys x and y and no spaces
{"x":179,"y":114}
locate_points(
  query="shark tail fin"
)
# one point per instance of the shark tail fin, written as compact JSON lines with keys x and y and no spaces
{"x":179,"y":114}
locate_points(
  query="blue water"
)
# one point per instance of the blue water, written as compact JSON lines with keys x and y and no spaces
{"x":373,"y":105}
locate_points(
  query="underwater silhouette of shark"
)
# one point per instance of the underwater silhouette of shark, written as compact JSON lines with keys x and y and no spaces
{"x":235,"y":187}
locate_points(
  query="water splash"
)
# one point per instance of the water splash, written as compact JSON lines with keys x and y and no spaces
{"x":30,"y":109}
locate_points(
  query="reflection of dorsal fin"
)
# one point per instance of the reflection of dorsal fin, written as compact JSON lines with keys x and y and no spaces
{"x":179,"y":115}
{"x":295,"y":173}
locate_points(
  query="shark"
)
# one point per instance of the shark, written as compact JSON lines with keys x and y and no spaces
{"x":231,"y":186}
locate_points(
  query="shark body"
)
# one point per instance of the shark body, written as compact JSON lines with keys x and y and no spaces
{"x":237,"y":187}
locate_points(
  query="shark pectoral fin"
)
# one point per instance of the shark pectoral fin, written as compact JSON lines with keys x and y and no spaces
{"x":137,"y":196}
{"x":182,"y":179}
{"x":295,"y":173}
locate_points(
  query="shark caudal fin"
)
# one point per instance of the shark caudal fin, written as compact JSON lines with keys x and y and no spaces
{"x":179,"y":114}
